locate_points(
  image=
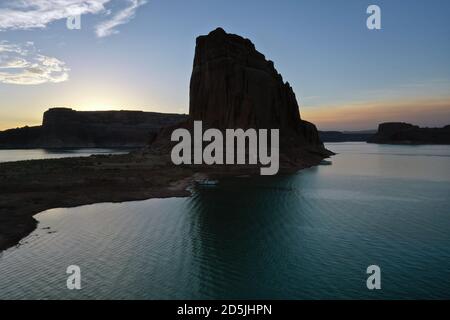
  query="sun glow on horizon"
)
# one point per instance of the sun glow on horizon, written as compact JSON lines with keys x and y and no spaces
{"x":432,"y":112}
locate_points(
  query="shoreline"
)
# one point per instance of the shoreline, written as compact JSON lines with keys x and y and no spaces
{"x":72,"y":182}
{"x":32,"y":186}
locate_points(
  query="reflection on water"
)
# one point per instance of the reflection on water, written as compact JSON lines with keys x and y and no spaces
{"x":310,"y":235}
{"x":7,"y":155}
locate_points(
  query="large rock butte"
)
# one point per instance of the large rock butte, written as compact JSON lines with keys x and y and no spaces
{"x":234,"y":86}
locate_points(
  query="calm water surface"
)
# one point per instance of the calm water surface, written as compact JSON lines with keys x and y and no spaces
{"x":7,"y":155}
{"x":305,"y":236}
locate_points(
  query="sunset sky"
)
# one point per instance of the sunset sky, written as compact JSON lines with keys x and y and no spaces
{"x":137,"y":54}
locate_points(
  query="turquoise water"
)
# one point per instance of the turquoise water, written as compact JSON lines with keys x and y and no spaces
{"x":305,"y":236}
{"x":7,"y":155}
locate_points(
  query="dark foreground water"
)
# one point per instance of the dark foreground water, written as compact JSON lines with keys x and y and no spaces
{"x":305,"y":236}
{"x":7,"y":155}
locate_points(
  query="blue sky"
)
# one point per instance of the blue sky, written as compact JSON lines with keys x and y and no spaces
{"x":344,"y":75}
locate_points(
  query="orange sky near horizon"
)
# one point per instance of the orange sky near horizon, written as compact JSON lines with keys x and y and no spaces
{"x":367,"y":115}
{"x":353,"y":116}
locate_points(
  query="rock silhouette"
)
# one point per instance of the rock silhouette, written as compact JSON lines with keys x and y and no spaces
{"x":346,"y":136}
{"x":234,"y":86}
{"x":67,"y":128}
{"x":405,"y":133}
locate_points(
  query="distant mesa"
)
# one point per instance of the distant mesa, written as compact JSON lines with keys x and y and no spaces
{"x":234,"y":86}
{"x":67,"y":128}
{"x":346,"y":136}
{"x":405,"y":133}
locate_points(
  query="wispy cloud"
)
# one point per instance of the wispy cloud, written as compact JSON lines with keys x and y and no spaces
{"x":24,"y":65}
{"x":31,"y":14}
{"x":35,"y":14}
{"x":107,"y":28}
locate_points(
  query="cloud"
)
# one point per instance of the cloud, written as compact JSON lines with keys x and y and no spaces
{"x":24,"y":65}
{"x":106,"y":28}
{"x":38,"y":14}
{"x":31,"y":14}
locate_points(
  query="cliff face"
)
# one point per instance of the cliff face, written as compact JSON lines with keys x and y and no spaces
{"x":234,"y":86}
{"x":67,"y":128}
{"x":405,"y":133}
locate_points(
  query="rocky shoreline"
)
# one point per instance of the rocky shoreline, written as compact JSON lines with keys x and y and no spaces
{"x":30,"y":187}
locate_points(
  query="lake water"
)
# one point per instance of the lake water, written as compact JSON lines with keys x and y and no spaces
{"x":311,"y":235}
{"x":7,"y":155}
